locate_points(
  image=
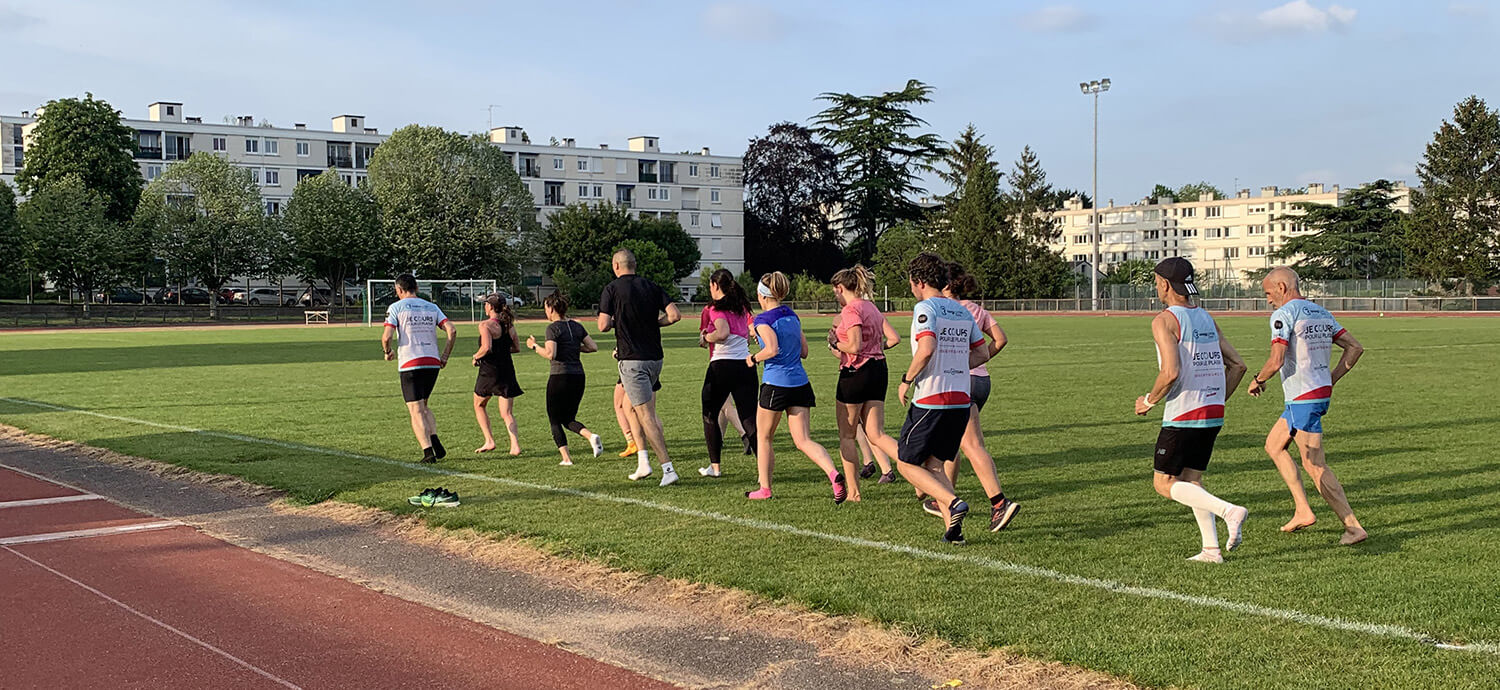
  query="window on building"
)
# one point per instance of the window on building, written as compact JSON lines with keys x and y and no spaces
{"x":1255,"y":229}
{"x":221,"y":144}
{"x":171,"y":110}
{"x":1231,"y":252}
{"x":583,"y":164}
{"x":303,"y":150}
{"x":598,"y":191}
{"x":665,"y":194}
{"x":1213,"y":212}
{"x":1257,"y":251}
{"x":252,"y":146}
{"x":651,"y":193}
{"x":1189,"y":212}
{"x":348,"y":178}
{"x":153,"y":172}
{"x":273,"y":147}
{"x":692,"y":220}
{"x":273,"y":207}
{"x":713,"y":195}
{"x":1080,"y":257}
{"x":557,"y":163}
{"x":1189,"y":232}
{"x":692,"y":169}
{"x":273,"y":177}
{"x":1213,"y":233}
{"x":20,"y":157}
{"x":255,"y":175}
{"x":583,"y":191}
{"x":1153,"y":254}
{"x":715,"y":220}
{"x":718,"y":246}
{"x":713,"y":171}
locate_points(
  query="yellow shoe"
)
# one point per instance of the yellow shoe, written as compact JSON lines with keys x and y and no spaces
{"x":629,"y":451}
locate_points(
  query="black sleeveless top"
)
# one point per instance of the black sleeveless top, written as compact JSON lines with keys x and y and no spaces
{"x":497,"y":362}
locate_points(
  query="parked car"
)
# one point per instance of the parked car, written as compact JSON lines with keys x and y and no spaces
{"x":122,"y":295}
{"x":264,"y":295}
{"x":320,"y":297}
{"x":514,"y":300}
{"x":192,"y":295}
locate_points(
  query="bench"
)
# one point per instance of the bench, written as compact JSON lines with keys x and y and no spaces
{"x":315,"y":316}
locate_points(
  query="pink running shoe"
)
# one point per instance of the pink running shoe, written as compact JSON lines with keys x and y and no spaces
{"x":840,"y":488}
{"x":760,"y":494}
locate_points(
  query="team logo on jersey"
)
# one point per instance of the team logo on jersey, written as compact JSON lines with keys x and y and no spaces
{"x":1278,"y":324}
{"x":921,"y":318}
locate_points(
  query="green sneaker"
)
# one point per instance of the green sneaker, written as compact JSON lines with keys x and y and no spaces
{"x":444,"y":498}
{"x":426,"y":499}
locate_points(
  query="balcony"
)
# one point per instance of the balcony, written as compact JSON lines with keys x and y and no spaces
{"x":340,"y":162}
{"x":530,"y":171}
{"x":689,"y":204}
{"x":152,"y":153}
{"x":553,"y":200}
{"x":648,"y":177}
{"x":666,"y":178}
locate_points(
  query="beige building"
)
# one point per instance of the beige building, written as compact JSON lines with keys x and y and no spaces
{"x":701,"y":191}
{"x":1223,"y":238}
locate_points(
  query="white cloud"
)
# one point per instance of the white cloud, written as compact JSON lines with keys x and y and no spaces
{"x":744,"y":21}
{"x":1058,"y":19}
{"x":14,"y":21}
{"x":1302,"y":16}
{"x":1465,"y":10}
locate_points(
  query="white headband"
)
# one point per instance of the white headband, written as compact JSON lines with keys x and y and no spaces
{"x":763,"y":290}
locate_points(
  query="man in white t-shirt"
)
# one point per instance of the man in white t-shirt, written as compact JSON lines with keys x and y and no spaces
{"x":1303,"y":336}
{"x":414,"y":322}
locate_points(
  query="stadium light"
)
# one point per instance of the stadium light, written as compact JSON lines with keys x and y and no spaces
{"x":1094,"y":88}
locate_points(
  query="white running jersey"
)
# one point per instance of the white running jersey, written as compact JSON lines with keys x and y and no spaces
{"x":1197,"y":398}
{"x":944,"y":382}
{"x":1308,"y":331}
{"x":416,"y":322}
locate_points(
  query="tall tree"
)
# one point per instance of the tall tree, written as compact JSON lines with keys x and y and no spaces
{"x":451,"y":205}
{"x":332,"y":230}
{"x":680,"y":247}
{"x":75,"y":244}
{"x":577,"y":243}
{"x":84,"y":138}
{"x":1032,"y":205}
{"x":791,"y":183}
{"x":972,"y":228}
{"x":898,"y":246}
{"x":1193,"y":190}
{"x":882,"y":157}
{"x":651,"y":262}
{"x":1452,"y":240}
{"x":12,"y":247}
{"x":208,"y":222}
{"x":1359,"y":238}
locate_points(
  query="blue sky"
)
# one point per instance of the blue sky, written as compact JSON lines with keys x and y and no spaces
{"x":1268,"y":93}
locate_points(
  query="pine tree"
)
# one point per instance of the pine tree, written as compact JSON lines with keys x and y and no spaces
{"x":1359,"y":238}
{"x":1031,"y":207}
{"x":972,"y":229}
{"x":1452,"y":237}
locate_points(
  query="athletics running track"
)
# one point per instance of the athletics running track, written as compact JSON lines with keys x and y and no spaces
{"x":93,"y":594}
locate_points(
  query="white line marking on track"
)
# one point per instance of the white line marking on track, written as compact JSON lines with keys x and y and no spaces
{"x":1288,"y":615}
{"x":27,"y":502}
{"x":87,"y":533}
{"x":252,"y":667}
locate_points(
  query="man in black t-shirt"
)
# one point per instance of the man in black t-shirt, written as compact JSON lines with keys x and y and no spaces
{"x":637,"y":309}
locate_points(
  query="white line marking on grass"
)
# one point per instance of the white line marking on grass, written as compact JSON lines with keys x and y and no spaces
{"x":25,"y":503}
{"x":1289,"y":615}
{"x":262,"y":672}
{"x":86,"y":533}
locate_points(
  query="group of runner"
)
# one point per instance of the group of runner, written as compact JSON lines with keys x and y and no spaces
{"x":946,"y":385}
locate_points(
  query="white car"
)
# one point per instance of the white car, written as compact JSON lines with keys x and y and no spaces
{"x":258,"y":296}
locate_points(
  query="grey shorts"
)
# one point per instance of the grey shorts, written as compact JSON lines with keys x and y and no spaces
{"x":641,"y":379}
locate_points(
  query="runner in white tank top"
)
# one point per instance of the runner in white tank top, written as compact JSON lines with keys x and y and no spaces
{"x":1197,"y":371}
{"x":1303,"y":336}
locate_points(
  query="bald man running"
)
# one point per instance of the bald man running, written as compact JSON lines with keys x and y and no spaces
{"x":1302,"y":338}
{"x":637,"y":309}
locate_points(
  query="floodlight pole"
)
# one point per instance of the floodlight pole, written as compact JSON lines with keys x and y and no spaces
{"x":1094,"y":88}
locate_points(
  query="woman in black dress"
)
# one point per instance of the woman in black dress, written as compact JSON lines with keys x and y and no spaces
{"x":497,"y":373}
{"x":564,"y":341}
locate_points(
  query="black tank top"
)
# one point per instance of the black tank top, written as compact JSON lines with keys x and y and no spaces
{"x":498,"y":358}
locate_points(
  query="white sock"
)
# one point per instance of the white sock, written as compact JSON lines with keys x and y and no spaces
{"x":1194,"y":496}
{"x":666,"y":468}
{"x":1207,"y":528}
{"x":642,"y":463}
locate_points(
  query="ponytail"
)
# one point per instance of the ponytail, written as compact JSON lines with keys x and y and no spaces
{"x":856,"y":279}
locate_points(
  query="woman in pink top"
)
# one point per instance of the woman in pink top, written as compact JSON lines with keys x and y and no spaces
{"x":860,"y":338}
{"x":725,"y":331}
{"x":962,"y":286}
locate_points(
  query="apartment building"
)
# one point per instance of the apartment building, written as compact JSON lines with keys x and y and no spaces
{"x":1222,"y":237}
{"x":701,"y":191}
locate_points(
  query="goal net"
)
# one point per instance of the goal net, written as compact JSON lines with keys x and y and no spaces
{"x":461,"y":299}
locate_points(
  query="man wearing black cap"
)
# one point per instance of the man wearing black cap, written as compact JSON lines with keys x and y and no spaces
{"x":1198,"y":371}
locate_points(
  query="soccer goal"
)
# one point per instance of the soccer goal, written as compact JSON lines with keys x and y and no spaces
{"x":461,"y":299}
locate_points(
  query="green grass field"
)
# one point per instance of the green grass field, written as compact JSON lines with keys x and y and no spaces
{"x":1411,"y":434}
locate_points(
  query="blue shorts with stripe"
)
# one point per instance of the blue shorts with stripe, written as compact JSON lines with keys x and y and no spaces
{"x":1305,"y":416}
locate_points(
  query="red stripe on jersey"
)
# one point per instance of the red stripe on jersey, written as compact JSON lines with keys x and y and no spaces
{"x":390,"y":325}
{"x":977,"y":343}
{"x":1205,"y":412}
{"x":925,"y":334}
{"x":445,"y":320}
{"x":1279,"y":341}
{"x":948,"y":398}
{"x":422,"y":362}
{"x":1341,"y":332}
{"x":1323,"y":393}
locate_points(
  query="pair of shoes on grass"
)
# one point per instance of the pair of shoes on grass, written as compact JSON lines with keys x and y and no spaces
{"x":439,"y":497}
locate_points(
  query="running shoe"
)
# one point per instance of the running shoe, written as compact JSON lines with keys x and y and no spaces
{"x":438,"y":451}
{"x":1235,"y":519}
{"x":1002,"y":513}
{"x":668,"y":478}
{"x":867,"y":471}
{"x":957,"y":511}
{"x":1208,"y":557}
{"x":445,"y":498}
{"x":428,"y":455}
{"x":840,"y":489}
{"x":597,"y":444}
{"x":424,"y":499}
{"x":887,"y":478}
{"x":630,"y":450}
{"x":758,"y":494}
{"x":749,"y":444}
{"x":709,"y":472}
{"x":930,"y":507}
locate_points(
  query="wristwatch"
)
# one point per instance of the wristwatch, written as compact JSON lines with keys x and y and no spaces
{"x":906,"y":380}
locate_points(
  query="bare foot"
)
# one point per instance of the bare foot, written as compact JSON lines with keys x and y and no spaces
{"x":485,"y":448}
{"x":515,"y":450}
{"x":1298,"y":522}
{"x":1353,"y":535}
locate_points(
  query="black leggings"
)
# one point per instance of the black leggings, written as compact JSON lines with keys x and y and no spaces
{"x":564,"y":393}
{"x":726,"y":378}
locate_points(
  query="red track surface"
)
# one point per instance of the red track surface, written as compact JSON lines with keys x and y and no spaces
{"x":174,"y":606}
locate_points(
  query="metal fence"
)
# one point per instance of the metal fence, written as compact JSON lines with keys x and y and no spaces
{"x":15,"y":315}
{"x":1150,"y":304}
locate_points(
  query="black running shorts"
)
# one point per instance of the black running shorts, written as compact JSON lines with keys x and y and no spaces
{"x":779,"y":399}
{"x":417,"y":384}
{"x":1181,"y":448}
{"x":979,"y":390}
{"x":858,"y":386}
{"x":931,"y":433}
